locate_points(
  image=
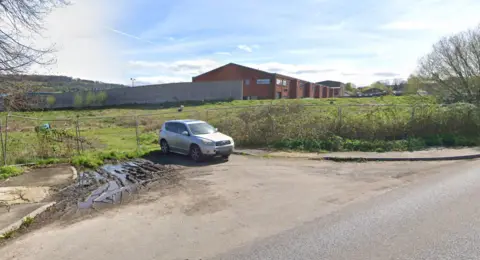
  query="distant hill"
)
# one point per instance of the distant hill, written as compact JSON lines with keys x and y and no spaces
{"x":49,"y":83}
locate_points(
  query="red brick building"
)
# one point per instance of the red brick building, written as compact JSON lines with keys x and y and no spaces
{"x":258,"y":84}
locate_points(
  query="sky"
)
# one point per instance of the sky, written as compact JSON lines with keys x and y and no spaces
{"x":161,"y":41}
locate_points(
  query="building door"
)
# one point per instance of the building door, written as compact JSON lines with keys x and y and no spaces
{"x":278,"y":95}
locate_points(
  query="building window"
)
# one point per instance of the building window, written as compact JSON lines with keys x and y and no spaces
{"x":284,"y":82}
{"x":247,"y":82}
{"x":279,"y":82}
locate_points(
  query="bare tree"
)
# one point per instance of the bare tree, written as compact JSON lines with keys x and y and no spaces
{"x":454,"y":65}
{"x":20,"y":22}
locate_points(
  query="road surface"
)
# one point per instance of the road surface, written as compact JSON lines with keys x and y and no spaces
{"x":259,"y":208}
{"x":436,"y":218}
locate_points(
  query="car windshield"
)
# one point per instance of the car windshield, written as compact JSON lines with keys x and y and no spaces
{"x":201,"y":128}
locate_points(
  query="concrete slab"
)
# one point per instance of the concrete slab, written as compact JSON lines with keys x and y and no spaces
{"x":23,"y":195}
{"x":47,"y":177}
{"x":12,"y":219}
{"x":16,"y":212}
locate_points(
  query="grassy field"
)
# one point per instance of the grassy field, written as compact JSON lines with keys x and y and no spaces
{"x":406,"y":123}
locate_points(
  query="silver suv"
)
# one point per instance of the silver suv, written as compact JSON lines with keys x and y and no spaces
{"x":195,"y":138}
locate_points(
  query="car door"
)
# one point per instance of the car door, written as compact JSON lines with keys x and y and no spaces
{"x":183,"y":141}
{"x":170,"y":134}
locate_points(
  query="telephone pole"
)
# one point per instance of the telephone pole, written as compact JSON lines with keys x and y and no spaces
{"x":133,"y":82}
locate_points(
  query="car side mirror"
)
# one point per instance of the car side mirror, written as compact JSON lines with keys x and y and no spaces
{"x":185,"y":133}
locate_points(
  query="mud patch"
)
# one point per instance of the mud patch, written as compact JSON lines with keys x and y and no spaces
{"x":107,"y":187}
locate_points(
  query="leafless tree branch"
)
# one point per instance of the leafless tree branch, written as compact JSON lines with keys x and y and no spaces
{"x":454,"y":64}
{"x":20,"y":21}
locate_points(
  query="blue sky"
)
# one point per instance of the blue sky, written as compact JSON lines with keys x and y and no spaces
{"x":159,"y":41}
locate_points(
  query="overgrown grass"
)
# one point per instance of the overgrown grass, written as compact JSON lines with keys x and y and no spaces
{"x":10,"y":171}
{"x":343,"y":124}
{"x":94,"y":160}
{"x":388,"y":128}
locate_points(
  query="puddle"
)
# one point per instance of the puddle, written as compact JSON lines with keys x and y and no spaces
{"x":111,"y":183}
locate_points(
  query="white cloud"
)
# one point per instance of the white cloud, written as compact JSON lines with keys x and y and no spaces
{"x":244,"y":47}
{"x":84,"y":49}
{"x":223,"y":53}
{"x":166,"y":72}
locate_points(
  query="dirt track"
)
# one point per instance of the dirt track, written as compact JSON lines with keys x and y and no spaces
{"x":217,"y":207}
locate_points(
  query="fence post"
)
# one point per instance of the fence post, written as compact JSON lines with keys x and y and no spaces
{"x":1,"y":139}
{"x":77,"y":135}
{"x":206,"y":119}
{"x":136,"y":132}
{"x":412,"y":117}
{"x":6,"y":139}
{"x":339,"y":117}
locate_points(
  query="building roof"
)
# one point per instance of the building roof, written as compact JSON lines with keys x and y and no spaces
{"x":331,"y":83}
{"x":245,"y":67}
{"x":231,"y":63}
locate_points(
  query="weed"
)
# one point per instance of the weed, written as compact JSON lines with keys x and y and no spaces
{"x":87,"y":161}
{"x":26,"y":222}
{"x":10,"y":171}
{"x":94,"y":160}
{"x":8,"y":234}
{"x":49,"y":161}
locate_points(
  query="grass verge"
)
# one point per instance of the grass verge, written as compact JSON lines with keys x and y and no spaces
{"x":10,"y":171}
{"x":92,"y":160}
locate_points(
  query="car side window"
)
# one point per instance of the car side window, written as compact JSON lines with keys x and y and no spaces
{"x":181,"y":128}
{"x":170,"y":127}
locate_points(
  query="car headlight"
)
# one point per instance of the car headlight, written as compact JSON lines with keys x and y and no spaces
{"x":207,"y":142}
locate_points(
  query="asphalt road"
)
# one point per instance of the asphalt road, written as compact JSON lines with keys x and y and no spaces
{"x":437,"y":217}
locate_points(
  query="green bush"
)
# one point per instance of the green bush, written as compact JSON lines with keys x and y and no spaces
{"x":10,"y":171}
{"x":293,"y":125}
{"x":94,"y":160}
{"x":148,"y":138}
{"x":101,"y":97}
{"x":78,"y":100}
{"x":90,"y":99}
{"x":87,"y":161}
{"x":51,"y":100}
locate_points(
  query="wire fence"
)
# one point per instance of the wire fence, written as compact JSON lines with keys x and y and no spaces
{"x":26,"y":140}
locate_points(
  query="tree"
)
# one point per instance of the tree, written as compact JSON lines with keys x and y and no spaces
{"x":51,"y":100}
{"x":90,"y":99}
{"x":349,"y":87}
{"x":414,"y":84}
{"x":454,"y":65}
{"x":101,"y":97}
{"x":20,"y":19}
{"x":78,"y":100}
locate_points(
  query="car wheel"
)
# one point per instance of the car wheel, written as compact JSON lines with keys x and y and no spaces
{"x":195,"y":153}
{"x":225,"y":157}
{"x":164,"y":147}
